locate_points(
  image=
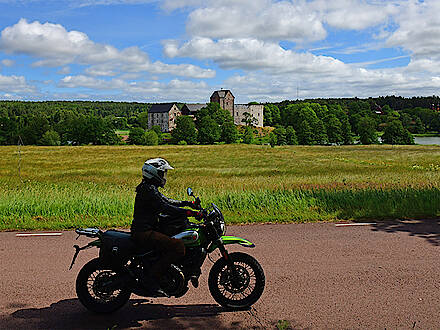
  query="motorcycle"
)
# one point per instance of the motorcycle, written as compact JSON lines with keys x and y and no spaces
{"x":105,"y":284}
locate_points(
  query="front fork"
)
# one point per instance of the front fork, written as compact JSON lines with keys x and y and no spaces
{"x":235,"y":275}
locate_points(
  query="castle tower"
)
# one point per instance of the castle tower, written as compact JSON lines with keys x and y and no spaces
{"x":225,"y":98}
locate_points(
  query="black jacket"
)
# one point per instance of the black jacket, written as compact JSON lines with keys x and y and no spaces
{"x":150,"y":205}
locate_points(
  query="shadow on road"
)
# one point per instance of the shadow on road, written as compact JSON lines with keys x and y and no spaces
{"x":429,"y":229}
{"x":70,"y":314}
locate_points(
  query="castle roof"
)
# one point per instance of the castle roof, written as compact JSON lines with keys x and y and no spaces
{"x":222,"y":93}
{"x":195,"y":106}
{"x":161,"y":107}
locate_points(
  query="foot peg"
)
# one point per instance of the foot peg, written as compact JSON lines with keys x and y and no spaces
{"x":195,"y":281}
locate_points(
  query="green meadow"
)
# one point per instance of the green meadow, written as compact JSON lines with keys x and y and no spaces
{"x":68,"y":187}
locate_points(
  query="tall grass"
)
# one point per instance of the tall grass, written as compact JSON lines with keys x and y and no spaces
{"x":66,"y":187}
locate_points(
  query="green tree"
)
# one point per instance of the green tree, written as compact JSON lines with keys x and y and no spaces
{"x":334,"y":129}
{"x":305,"y":134}
{"x":249,"y":119}
{"x":395,"y":133}
{"x":229,"y":132}
{"x":136,"y":136}
{"x":419,"y":128}
{"x":208,"y":130}
{"x":435,"y":123}
{"x":32,"y":132}
{"x":319,"y":132}
{"x":185,"y":130}
{"x":8,"y":131}
{"x":273,"y":139}
{"x":142,"y":119}
{"x":271,"y":115}
{"x":296,"y":114}
{"x":347,"y":135}
{"x":406,"y":120}
{"x":280,"y":133}
{"x":151,"y":138}
{"x":367,"y":131}
{"x":156,"y":128}
{"x":386,"y":109}
{"x":209,"y":120}
{"x":291,"y":138}
{"x":267,"y":115}
{"x":214,"y":111}
{"x":248,"y":135}
{"x":50,"y":138}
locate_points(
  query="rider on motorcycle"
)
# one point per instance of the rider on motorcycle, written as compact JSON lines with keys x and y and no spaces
{"x":152,"y":209}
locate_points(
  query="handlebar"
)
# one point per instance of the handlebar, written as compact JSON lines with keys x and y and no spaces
{"x":89,"y":232}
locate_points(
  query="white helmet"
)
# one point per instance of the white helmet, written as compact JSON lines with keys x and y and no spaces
{"x":155,"y":170}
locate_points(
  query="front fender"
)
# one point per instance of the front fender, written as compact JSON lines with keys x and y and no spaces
{"x":231,"y":240}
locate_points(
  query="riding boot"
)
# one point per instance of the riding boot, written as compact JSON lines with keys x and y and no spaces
{"x":153,"y":288}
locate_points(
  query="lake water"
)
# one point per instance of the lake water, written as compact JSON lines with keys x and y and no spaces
{"x":427,"y":140}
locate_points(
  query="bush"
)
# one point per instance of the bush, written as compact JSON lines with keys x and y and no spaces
{"x":151,"y":138}
{"x":136,"y":136}
{"x":248,"y":136}
{"x":50,"y":138}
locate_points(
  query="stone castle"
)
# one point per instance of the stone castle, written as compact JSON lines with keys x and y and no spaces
{"x":165,"y":114}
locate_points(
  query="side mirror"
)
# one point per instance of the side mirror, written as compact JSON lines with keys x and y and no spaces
{"x":189,"y":191}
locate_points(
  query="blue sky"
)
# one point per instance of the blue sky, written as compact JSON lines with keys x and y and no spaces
{"x":182,"y":50}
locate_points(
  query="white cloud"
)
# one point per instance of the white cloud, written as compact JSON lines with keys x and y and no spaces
{"x":419,"y":34}
{"x":252,"y":54}
{"x":93,"y":83}
{"x":295,"y":20}
{"x":15,"y":84}
{"x":57,"y":47}
{"x":64,"y":70}
{"x":355,"y":14}
{"x":359,"y":83}
{"x":263,"y":20}
{"x":186,"y":70}
{"x":175,"y":89}
{"x":8,"y":62}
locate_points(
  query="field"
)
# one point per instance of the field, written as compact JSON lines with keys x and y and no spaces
{"x":67,"y":187}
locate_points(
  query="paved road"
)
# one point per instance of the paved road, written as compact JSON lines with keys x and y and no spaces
{"x":318,"y":276}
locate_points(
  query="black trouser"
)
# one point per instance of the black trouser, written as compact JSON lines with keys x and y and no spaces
{"x":171,"y":249}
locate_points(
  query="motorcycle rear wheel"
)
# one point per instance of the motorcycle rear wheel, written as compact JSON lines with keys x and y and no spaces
{"x":239,"y":289}
{"x":92,"y":291}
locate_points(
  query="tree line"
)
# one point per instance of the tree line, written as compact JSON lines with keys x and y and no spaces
{"x":348,"y":121}
{"x":308,"y":122}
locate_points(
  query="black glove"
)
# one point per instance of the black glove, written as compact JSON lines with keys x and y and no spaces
{"x":195,"y":214}
{"x":193,"y":205}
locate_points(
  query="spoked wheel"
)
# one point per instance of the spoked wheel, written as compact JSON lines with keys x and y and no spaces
{"x":240,"y":287}
{"x":96,"y":289}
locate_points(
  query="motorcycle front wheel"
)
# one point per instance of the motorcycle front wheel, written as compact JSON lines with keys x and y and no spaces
{"x":95,"y":288}
{"x":239,"y":288}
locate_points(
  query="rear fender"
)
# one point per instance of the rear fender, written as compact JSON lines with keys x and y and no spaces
{"x":231,"y":240}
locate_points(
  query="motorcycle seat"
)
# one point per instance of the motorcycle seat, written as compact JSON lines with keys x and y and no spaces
{"x":125,"y":242}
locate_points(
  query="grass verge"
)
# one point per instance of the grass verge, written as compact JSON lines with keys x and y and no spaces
{"x":66,"y":187}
